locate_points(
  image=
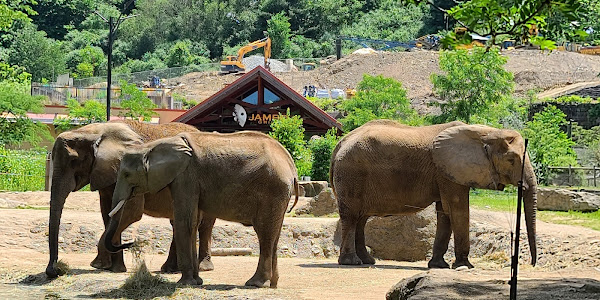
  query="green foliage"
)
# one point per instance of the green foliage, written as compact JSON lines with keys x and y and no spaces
{"x":321,"y":149}
{"x":91,"y":112}
{"x":14,"y":74}
{"x":378,"y":97}
{"x":136,"y":104}
{"x":22,"y":170}
{"x":548,"y":145}
{"x":326,"y":104}
{"x":509,"y":18}
{"x":570,"y":99}
{"x":13,"y":10}
{"x":278,"y":28}
{"x":509,"y":112}
{"x":16,"y":101}
{"x":288,"y":131}
{"x":473,"y":81}
{"x":389,"y":22}
{"x":186,"y":103}
{"x":39,"y":55}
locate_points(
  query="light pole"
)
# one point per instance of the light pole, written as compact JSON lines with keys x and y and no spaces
{"x":112,"y":30}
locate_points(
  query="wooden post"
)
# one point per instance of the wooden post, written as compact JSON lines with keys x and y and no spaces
{"x":569,"y":179}
{"x":594,"y":175}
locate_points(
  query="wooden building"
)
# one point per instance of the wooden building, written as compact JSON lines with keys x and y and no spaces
{"x":252,"y":102}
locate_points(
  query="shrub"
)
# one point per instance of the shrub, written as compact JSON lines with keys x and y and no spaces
{"x":548,"y":145}
{"x":289,"y":132}
{"x":321,"y":149}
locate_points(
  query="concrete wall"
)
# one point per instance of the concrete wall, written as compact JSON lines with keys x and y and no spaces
{"x":578,"y":112}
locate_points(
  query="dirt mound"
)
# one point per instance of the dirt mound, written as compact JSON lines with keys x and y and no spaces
{"x":532,"y":69}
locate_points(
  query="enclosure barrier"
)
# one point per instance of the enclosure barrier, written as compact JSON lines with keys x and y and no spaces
{"x":574,"y":176}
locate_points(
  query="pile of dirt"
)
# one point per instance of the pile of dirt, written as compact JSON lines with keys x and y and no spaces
{"x":532,"y":69}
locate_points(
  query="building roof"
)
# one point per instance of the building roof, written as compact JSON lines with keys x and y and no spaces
{"x":314,"y":117}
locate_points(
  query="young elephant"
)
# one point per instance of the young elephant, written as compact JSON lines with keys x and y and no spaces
{"x":386,"y":168}
{"x":246,"y":177}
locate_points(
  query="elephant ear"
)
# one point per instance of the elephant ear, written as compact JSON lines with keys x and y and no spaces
{"x":168,"y":158}
{"x":108,"y":152}
{"x":462,"y":155}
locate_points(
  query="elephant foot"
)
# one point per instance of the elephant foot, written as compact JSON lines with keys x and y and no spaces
{"x":118,"y":268}
{"x":52,"y":272}
{"x":438,"y":264}
{"x":463,"y":262}
{"x":366,"y":258}
{"x":190,"y":281}
{"x":349,"y":259}
{"x":102,"y":263}
{"x":206,"y":265}
{"x":258,"y":282}
{"x":169,"y":267}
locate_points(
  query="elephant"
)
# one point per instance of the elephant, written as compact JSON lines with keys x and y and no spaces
{"x":245,"y":177}
{"x":91,"y":154}
{"x":385,"y":168}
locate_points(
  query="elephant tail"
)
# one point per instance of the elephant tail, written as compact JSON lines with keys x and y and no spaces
{"x":296,"y":192}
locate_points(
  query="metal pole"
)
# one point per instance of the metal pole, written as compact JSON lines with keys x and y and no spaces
{"x":109,"y":71}
{"x":514,"y":265}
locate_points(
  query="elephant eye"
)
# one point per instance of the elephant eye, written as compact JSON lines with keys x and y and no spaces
{"x":511,"y":161}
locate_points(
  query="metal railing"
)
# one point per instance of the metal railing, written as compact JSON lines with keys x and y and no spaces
{"x":575,"y":176}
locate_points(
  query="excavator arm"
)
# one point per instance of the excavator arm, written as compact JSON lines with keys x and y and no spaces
{"x":234,"y":64}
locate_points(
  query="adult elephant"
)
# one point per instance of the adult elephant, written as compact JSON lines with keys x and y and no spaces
{"x":245,"y":177}
{"x":385,"y":168}
{"x":91,"y":155}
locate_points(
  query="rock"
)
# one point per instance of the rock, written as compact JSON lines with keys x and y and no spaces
{"x":404,"y":238}
{"x":313,"y":188}
{"x":322,"y":204}
{"x":565,"y":200}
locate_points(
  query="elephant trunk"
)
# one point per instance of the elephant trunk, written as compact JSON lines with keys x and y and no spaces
{"x":110,"y":234}
{"x":62,"y":185}
{"x":530,"y":208}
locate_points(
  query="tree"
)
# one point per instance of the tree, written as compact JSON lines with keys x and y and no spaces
{"x":278,"y":28}
{"x":289,"y":132}
{"x":378,"y":97}
{"x":39,"y":55}
{"x":321,"y":149}
{"x":135,"y":102}
{"x":14,"y":74}
{"x":501,"y":18}
{"x":15,"y":126}
{"x":390,"y":22}
{"x":13,"y":10}
{"x":474,"y":81}
{"x":91,"y":112}
{"x":548,"y":145}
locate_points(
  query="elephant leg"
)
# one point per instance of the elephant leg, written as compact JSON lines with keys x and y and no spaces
{"x":170,"y":266}
{"x":205,"y":242}
{"x":361,"y":248}
{"x":267,"y":229}
{"x":442,"y":238}
{"x":185,"y":204}
{"x":104,"y":259}
{"x":459,"y":220}
{"x":349,"y":222}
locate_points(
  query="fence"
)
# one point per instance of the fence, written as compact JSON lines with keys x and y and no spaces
{"x":24,"y":170}
{"x":575,"y":176}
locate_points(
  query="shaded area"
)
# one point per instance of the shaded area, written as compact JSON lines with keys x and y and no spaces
{"x":458,"y":285}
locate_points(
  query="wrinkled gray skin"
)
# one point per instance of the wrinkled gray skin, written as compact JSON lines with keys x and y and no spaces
{"x":385,"y":168}
{"x":245,"y":177}
{"x":92,"y":154}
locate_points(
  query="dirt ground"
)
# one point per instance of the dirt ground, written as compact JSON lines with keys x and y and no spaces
{"x":569,"y":259}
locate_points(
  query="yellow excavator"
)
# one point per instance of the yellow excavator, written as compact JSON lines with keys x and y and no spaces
{"x":233,"y":64}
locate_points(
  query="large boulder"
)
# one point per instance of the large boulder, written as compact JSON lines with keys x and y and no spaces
{"x":313,"y":188}
{"x":404,"y":238}
{"x":566,"y":200}
{"x":322,"y":204}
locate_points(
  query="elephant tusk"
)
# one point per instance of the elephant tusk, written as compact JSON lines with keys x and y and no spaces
{"x":116,"y":209}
